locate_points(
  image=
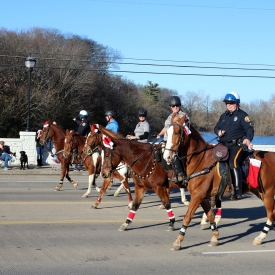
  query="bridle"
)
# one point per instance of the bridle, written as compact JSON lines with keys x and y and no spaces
{"x":92,"y":146}
{"x":139,"y":176}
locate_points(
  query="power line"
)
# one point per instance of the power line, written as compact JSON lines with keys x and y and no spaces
{"x":183,"y":5}
{"x":156,"y":65}
{"x":146,"y":72}
{"x":142,"y":59}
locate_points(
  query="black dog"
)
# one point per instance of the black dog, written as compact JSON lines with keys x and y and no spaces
{"x":23,"y":160}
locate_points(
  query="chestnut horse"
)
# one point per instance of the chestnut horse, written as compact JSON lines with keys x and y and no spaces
{"x":57,"y":134}
{"x":73,"y":148}
{"x":95,"y":140}
{"x":120,"y":173}
{"x":197,"y":155}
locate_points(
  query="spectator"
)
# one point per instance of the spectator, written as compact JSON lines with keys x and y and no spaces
{"x":6,"y":155}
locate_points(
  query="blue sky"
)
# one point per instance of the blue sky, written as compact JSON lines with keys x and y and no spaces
{"x":225,"y":34}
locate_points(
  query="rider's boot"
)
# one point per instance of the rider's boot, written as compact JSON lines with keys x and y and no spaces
{"x":237,"y":182}
{"x":179,"y":171}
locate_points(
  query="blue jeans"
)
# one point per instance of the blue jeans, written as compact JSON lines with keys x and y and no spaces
{"x":39,"y":151}
{"x":6,"y":157}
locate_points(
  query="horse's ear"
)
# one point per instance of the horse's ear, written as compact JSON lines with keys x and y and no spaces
{"x":67,"y":131}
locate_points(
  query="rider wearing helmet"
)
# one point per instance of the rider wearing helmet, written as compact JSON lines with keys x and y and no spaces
{"x":142,"y":129}
{"x":175,"y":105}
{"x":83,"y":123}
{"x":112,"y":123}
{"x":236,"y":132}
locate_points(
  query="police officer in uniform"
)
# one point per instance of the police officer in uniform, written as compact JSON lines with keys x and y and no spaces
{"x":236,"y":132}
{"x":83,"y":130}
{"x":83,"y":123}
{"x":142,"y":129}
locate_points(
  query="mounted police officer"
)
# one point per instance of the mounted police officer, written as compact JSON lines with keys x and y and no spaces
{"x":83,"y":123}
{"x":112,"y":123}
{"x":236,"y":132}
{"x":142,"y":129}
{"x":83,"y":130}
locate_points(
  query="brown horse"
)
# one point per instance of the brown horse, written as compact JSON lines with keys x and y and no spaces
{"x":73,"y":148}
{"x":57,"y":134}
{"x":120,"y":173}
{"x":197,"y":155}
{"x":147,"y":173}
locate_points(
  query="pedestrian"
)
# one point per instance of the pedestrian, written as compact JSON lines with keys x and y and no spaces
{"x":39,"y":148}
{"x":6,"y":155}
{"x":236,"y":132}
{"x":112,"y":123}
{"x":142,"y":129}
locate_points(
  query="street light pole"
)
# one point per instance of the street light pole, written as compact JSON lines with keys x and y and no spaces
{"x":29,"y":63}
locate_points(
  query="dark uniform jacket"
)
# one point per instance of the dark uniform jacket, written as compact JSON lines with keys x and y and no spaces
{"x":236,"y":125}
{"x":83,"y":126}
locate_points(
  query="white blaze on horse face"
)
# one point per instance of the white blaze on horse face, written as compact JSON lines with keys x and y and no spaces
{"x":167,"y":153}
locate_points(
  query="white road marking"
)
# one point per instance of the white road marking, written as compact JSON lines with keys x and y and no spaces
{"x":237,"y":252}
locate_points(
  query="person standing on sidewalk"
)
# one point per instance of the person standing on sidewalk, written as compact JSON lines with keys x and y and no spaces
{"x":39,"y":148}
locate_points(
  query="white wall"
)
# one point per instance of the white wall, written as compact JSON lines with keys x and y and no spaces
{"x":26,"y":143}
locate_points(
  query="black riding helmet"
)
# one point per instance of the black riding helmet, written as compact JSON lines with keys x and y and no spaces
{"x":110,"y":113}
{"x":174,"y":101}
{"x":142,"y":112}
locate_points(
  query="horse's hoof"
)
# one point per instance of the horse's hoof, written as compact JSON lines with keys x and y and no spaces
{"x":176,"y":246}
{"x":57,"y":188}
{"x":75,"y":185}
{"x":205,"y":226}
{"x":97,"y":189}
{"x":123,"y":227}
{"x":116,"y":194}
{"x":161,"y":207}
{"x":186,"y":203}
{"x":94,"y":207}
{"x":170,"y":228}
{"x":257,"y":241}
{"x":85,"y":196}
{"x":213,"y":243}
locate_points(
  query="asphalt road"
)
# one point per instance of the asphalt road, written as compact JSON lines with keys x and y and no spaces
{"x":48,"y":232}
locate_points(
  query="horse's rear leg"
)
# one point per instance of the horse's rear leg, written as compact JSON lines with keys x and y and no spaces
{"x":217,"y":209}
{"x":183,"y":197}
{"x":73,"y":183}
{"x":270,"y":209}
{"x":139,"y":194}
{"x":116,"y":194}
{"x":90,"y":184}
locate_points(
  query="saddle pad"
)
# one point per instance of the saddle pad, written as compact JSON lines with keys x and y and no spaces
{"x":253,"y":172}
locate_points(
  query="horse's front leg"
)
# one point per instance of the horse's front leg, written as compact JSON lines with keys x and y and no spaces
{"x":183,"y":197}
{"x":139,"y":194}
{"x":194,"y":204}
{"x":122,"y":177}
{"x":67,"y":166}
{"x":104,"y":186}
{"x":163,"y":194}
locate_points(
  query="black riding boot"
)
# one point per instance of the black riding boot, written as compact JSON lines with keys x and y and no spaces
{"x":237,"y":182}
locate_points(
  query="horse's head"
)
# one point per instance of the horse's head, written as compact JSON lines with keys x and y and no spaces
{"x":93,"y":140}
{"x":175,"y":136}
{"x":110,"y":159}
{"x":47,"y":133}
{"x":68,"y":143}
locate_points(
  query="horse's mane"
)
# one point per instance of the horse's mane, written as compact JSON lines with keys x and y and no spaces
{"x":180,"y":119}
{"x":110,"y":133}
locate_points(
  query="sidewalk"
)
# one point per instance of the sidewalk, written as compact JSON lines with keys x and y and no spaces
{"x":35,"y":170}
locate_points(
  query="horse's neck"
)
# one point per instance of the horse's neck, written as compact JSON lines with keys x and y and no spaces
{"x":58,"y":140}
{"x":129,"y":155}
